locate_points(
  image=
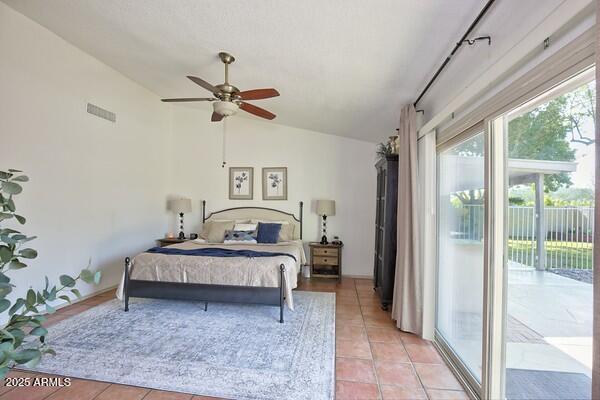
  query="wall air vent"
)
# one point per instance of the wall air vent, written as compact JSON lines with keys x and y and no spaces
{"x":101,"y":112}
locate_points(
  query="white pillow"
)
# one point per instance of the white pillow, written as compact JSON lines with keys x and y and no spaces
{"x":245,"y":227}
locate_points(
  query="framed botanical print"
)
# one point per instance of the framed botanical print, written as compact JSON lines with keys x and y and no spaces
{"x":241,"y":183}
{"x":274,"y":183}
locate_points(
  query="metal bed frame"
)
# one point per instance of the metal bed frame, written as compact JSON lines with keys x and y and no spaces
{"x":273,"y":296}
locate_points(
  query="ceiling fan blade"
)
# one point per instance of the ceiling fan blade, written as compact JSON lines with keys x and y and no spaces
{"x":188,"y":99}
{"x":260,"y":112}
{"x":257,"y":94}
{"x":216,"y":117}
{"x":204,"y":84}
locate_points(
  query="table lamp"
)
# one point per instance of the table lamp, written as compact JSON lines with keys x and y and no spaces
{"x":325,"y":208}
{"x":181,"y":206}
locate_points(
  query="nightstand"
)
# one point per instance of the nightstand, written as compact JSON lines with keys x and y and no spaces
{"x":326,"y":260}
{"x":167,"y":241}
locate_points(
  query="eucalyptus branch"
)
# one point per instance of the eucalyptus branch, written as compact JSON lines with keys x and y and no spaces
{"x":24,"y":313}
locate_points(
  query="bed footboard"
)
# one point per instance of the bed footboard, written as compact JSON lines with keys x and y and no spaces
{"x":273,"y":296}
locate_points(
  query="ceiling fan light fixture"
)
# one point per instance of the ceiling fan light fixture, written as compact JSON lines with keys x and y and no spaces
{"x":225,"y":108}
{"x":227,"y":98}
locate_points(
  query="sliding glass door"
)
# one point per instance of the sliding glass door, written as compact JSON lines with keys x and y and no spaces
{"x":515,"y":228}
{"x":459,"y":316}
{"x":548,"y":240}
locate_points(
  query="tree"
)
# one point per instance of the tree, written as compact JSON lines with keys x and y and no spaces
{"x":581,"y":107}
{"x":541,"y":134}
{"x":544,"y":133}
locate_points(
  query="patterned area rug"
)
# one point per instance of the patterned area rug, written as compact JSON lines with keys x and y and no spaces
{"x":231,"y":351}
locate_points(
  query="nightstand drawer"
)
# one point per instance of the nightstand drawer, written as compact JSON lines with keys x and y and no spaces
{"x":322,"y":251}
{"x":325,"y":260}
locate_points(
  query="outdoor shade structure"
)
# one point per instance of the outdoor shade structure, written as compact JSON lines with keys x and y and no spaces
{"x":520,"y":171}
{"x":532,"y":171}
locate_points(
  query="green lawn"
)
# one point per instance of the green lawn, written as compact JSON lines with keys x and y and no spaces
{"x":569,"y":255}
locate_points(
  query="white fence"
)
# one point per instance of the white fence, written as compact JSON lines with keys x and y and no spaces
{"x":568,"y":235}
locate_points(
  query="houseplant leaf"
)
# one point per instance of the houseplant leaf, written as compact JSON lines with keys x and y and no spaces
{"x":67,"y":281}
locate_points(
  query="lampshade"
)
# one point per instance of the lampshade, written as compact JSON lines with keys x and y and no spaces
{"x":326,"y":207}
{"x":181,"y":205}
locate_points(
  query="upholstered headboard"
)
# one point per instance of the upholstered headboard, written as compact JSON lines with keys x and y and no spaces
{"x":256,"y":213}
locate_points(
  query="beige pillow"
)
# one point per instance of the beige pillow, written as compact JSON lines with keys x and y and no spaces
{"x":206,"y":225}
{"x":287,"y":232}
{"x":214,"y":231}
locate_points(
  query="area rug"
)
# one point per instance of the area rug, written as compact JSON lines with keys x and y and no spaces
{"x":232,"y":351}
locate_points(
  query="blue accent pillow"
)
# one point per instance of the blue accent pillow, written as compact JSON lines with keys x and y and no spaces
{"x":267,"y":233}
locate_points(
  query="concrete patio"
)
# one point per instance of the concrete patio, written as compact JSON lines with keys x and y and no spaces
{"x":549,"y":324}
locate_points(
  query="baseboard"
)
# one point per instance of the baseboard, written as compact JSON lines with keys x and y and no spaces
{"x":4,"y":318}
{"x":87,"y":296}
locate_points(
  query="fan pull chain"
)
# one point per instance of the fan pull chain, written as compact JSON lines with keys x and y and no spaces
{"x":223,"y":155}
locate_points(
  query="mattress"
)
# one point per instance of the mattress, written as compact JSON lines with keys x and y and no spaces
{"x":238,"y":271}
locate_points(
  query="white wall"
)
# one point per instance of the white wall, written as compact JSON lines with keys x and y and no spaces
{"x":97,"y":188}
{"x":319,"y":166}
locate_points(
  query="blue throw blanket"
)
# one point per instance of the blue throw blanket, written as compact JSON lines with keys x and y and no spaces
{"x":216,"y":252}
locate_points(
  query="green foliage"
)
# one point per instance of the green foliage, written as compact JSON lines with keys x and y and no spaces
{"x":546,"y":133}
{"x":563,"y":197}
{"x":22,"y":337}
{"x":516,"y":201}
{"x":383,"y":149}
{"x":581,"y":106}
{"x":562,"y":254}
{"x":541,"y":134}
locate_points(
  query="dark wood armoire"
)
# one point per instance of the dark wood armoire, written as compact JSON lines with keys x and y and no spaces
{"x":385,"y":229}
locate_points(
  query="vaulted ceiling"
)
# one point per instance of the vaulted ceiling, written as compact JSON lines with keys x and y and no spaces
{"x":342,"y":67}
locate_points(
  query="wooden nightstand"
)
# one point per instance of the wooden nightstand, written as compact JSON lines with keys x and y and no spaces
{"x":167,"y":241}
{"x":326,"y":260}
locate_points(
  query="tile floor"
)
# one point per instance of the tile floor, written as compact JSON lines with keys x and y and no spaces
{"x":374,"y":359}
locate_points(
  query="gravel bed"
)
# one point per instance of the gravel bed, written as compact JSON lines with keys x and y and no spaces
{"x":582,"y":275}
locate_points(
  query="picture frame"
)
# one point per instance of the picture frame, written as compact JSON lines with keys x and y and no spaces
{"x":241,"y":183}
{"x":274,"y":183}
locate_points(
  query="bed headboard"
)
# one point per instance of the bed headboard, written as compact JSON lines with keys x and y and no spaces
{"x":256,"y":213}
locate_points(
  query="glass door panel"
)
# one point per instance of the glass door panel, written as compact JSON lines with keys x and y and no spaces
{"x":548,"y":239}
{"x":461,"y":251}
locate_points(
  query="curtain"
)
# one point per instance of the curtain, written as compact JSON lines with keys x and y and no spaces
{"x":426,"y":173}
{"x":407,"y":306}
{"x":596,"y":341}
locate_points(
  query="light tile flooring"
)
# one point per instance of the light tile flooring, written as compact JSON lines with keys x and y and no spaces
{"x":374,"y":359}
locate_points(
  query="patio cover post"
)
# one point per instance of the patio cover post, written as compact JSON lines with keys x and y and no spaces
{"x":540,"y":223}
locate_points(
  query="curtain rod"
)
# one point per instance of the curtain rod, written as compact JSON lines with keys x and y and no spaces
{"x":456,"y":47}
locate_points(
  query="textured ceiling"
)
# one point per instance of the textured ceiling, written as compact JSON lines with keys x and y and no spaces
{"x":342,"y":67}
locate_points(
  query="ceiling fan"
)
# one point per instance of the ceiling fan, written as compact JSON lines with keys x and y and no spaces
{"x":228,"y":99}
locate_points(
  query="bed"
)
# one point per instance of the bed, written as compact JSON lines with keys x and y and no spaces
{"x":219,"y":272}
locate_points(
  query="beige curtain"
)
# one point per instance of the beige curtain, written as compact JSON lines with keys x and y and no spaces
{"x":596,"y":342}
{"x":407,"y":307}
